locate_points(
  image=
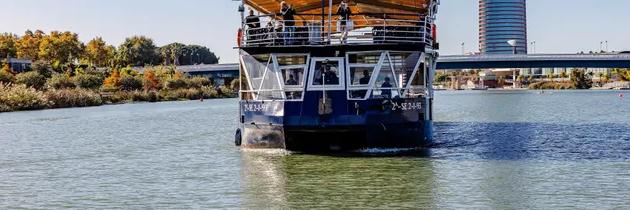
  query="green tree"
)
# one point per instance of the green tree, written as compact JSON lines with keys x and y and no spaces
{"x":196,"y":54}
{"x":28,"y":45}
{"x":136,"y":51}
{"x":98,"y":53}
{"x":172,"y":53}
{"x":60,"y":47}
{"x":581,"y":79}
{"x":8,"y":45}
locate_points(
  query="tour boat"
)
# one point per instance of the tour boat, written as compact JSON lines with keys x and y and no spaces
{"x":319,"y":81}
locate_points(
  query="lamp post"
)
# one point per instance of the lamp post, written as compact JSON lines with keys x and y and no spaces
{"x":513,"y":44}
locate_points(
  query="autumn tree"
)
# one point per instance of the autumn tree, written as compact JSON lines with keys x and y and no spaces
{"x":28,"y":45}
{"x":98,"y":53}
{"x":113,"y":81}
{"x":150,"y":81}
{"x":7,"y":45}
{"x":136,"y":51}
{"x":60,"y":47}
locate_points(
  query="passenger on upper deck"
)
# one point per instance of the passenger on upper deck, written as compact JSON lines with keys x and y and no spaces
{"x":345,"y":23}
{"x":252,"y":20}
{"x":287,"y":13}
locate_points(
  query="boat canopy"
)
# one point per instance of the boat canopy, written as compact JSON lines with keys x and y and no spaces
{"x":362,"y":9}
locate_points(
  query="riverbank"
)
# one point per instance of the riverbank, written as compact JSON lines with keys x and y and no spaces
{"x":15,"y":97}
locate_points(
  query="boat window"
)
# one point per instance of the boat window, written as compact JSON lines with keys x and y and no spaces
{"x":404,"y":64}
{"x":287,"y":60}
{"x":326,"y":72}
{"x":255,"y":67}
{"x":419,"y":79}
{"x":365,"y":58}
{"x":293,"y":77}
{"x":386,"y":85}
{"x":271,"y":88}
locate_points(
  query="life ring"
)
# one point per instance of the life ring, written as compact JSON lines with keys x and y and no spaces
{"x":239,"y":37}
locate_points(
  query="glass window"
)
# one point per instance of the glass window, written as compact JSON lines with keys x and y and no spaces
{"x":385,"y":86}
{"x":255,"y":66}
{"x":360,"y":75}
{"x":326,"y":72}
{"x":364,"y":58}
{"x":293,"y":76}
{"x":287,"y":60}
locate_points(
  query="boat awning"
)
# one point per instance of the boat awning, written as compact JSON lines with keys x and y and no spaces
{"x":363,"y":9}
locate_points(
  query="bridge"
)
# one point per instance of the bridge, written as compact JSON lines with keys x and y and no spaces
{"x":620,"y":60}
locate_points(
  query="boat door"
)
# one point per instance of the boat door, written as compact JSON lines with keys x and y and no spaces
{"x":326,"y":74}
{"x":326,"y":83}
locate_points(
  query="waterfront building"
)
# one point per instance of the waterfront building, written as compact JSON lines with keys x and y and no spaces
{"x":19,"y":65}
{"x":501,"y":21}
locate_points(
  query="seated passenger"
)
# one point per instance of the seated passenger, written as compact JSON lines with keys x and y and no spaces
{"x":291,"y":80}
{"x":365,"y":79}
{"x":386,"y":92}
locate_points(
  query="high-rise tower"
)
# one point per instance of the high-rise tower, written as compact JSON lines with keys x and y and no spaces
{"x":501,"y":21}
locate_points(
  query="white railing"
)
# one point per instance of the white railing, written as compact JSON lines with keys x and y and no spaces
{"x":364,"y":31}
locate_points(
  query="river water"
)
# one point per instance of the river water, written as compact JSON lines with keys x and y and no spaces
{"x":494,"y":149}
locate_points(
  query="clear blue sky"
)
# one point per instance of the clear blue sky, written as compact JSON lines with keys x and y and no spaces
{"x":556,"y":25}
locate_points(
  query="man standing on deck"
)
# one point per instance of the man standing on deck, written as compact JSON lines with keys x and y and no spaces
{"x":287,"y":13}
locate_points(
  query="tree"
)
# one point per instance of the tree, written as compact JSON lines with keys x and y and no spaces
{"x":136,"y":51}
{"x":196,"y":54}
{"x":8,"y":45}
{"x":60,"y":47}
{"x":98,"y":53}
{"x":28,"y":45}
{"x":6,"y":74}
{"x":113,"y":81}
{"x":150,"y":81}
{"x":172,"y":53}
{"x":580,"y":79}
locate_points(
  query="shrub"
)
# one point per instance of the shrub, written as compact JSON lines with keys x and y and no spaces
{"x":174,"y":84}
{"x":21,"y":97}
{"x":130,"y":83}
{"x":150,"y":80}
{"x":227,"y":92}
{"x":60,"y":81}
{"x":113,"y":81}
{"x":235,"y":84}
{"x":209,"y":92}
{"x":31,"y":79}
{"x":198,"y":82}
{"x":6,"y":77}
{"x":88,"y":81}
{"x":64,"y":98}
{"x":43,"y":67}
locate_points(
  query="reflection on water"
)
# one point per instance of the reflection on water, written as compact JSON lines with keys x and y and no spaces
{"x":493,"y":150}
{"x":349,"y":181}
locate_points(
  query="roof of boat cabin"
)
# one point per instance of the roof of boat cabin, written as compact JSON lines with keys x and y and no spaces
{"x":365,"y":9}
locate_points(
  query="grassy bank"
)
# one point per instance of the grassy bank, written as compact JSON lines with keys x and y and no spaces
{"x":17,"y":97}
{"x":43,"y":88}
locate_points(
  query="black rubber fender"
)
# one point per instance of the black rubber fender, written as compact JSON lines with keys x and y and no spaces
{"x":238,"y":138}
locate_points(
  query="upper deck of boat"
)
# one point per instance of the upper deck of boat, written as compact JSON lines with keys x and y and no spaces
{"x":316,"y":25}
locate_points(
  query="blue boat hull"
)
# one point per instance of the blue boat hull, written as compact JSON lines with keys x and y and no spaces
{"x":372,"y":123}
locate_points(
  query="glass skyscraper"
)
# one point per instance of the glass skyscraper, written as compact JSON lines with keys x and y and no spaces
{"x":501,"y":21}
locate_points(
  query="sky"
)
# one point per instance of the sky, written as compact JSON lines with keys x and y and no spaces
{"x":557,"y":26}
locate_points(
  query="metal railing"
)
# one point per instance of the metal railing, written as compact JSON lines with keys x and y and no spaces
{"x":317,"y":32}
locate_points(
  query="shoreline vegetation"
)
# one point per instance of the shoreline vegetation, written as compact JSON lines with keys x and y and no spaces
{"x":66,"y":72}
